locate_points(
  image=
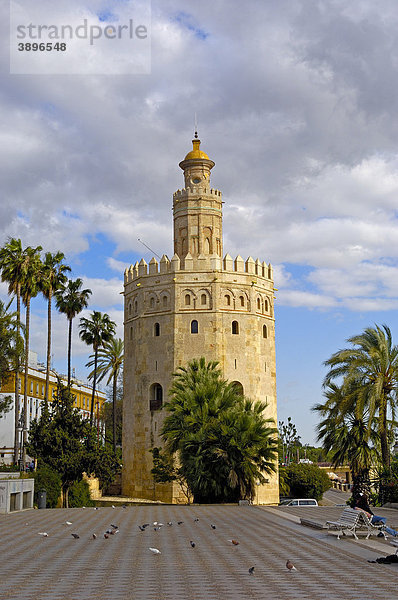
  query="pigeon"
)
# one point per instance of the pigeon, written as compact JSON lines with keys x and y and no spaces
{"x":94,"y":536}
{"x":196,"y":520}
{"x":106,"y":535}
{"x":68,"y":523}
{"x":192,"y":544}
{"x":234,"y":542}
{"x":75,"y":536}
{"x":141,"y":527}
{"x":155,"y":551}
{"x":113,"y":506}
{"x":170,"y":523}
{"x":146,"y":525}
{"x":155,"y":523}
{"x":180,"y":522}
{"x":251,"y":571}
{"x":213,"y":526}
{"x":114,"y":526}
{"x":96,"y":508}
{"x":109,"y":531}
{"x":43,"y":533}
{"x":124,"y":506}
{"x":290,"y":566}
{"x":156,"y":528}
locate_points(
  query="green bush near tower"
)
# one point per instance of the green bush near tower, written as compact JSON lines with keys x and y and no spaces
{"x":303,"y":481}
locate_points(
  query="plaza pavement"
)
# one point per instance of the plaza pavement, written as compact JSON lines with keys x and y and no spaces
{"x":59,"y":567}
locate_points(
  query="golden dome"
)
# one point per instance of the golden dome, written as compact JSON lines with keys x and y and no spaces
{"x":196,"y":152}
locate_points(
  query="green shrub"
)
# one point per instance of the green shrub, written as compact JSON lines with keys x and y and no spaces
{"x":305,"y":481}
{"x":79,"y":494}
{"x":49,"y":480}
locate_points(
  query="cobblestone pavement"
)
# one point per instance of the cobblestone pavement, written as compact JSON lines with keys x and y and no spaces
{"x":59,"y":567}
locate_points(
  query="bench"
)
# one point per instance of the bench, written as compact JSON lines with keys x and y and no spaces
{"x":349,"y":520}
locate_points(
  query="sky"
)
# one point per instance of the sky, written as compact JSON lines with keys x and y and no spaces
{"x":296,"y":103}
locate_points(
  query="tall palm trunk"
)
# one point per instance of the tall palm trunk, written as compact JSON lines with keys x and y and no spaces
{"x":94,"y":382}
{"x":385,"y":453}
{"x":48,"y":366}
{"x":114,"y":411}
{"x":16,"y":406}
{"x":25,"y":393}
{"x":69,"y":351}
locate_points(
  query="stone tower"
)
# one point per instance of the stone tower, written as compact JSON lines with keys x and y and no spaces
{"x":196,"y":304}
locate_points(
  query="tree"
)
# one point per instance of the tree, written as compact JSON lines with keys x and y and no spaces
{"x":71,"y":300}
{"x":95,"y":331}
{"x":107,"y":416}
{"x":225,"y":445}
{"x":305,"y":481}
{"x":67,"y":444}
{"x":29,"y":289}
{"x":166,"y":470}
{"x":13,"y":264}
{"x":11,"y":342}
{"x":369,"y":373}
{"x":110,"y":362}
{"x":52,"y":276}
{"x":348,"y":437}
{"x":289,"y":439}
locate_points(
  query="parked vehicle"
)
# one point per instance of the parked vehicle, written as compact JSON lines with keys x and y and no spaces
{"x":299,"y":502}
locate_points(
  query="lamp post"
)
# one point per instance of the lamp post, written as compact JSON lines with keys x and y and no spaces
{"x":20,"y":430}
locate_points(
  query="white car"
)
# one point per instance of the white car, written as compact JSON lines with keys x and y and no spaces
{"x":299,"y":502}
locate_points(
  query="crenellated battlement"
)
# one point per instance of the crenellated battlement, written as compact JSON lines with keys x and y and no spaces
{"x":196,"y":190}
{"x":199,"y":264}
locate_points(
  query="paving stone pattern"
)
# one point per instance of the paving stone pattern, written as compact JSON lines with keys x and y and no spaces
{"x":122,"y":567}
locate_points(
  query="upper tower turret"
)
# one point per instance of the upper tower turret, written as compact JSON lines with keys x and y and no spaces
{"x":197,"y":209}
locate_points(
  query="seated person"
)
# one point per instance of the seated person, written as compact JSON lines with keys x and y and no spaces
{"x":363,"y":505}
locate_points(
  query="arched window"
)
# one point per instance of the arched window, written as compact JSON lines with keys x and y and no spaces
{"x":164,"y":300}
{"x":258,"y":304}
{"x":129,"y":308}
{"x":238,"y":387}
{"x":203,"y":299}
{"x":227,"y":299}
{"x":266,"y":305}
{"x":131,"y":333}
{"x":155,"y":396}
{"x":187,"y":300}
{"x":136,"y":306}
{"x":152,"y":302}
{"x":235,"y":327}
{"x":156,"y":330}
{"x":194,"y":326}
{"x":265,"y":332}
{"x":242,"y":300}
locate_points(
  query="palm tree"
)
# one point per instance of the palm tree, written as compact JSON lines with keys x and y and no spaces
{"x":11,"y":342}
{"x":52,"y":276}
{"x":110,"y":362}
{"x":370,"y":378}
{"x":348,"y":436}
{"x":225,"y":444}
{"x":70,"y":300}
{"x":95,"y":331}
{"x":13,"y":263}
{"x":29,"y":289}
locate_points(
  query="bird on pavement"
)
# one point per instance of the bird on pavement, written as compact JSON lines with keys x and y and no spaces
{"x":43,"y":533}
{"x":192,"y":544}
{"x":213,"y":526}
{"x":196,"y":520}
{"x":290,"y":566}
{"x":251,"y":571}
{"x":114,"y":526}
{"x":106,"y":535}
{"x":180,"y":522}
{"x":170,"y":523}
{"x":94,"y":536}
{"x":141,"y":527}
{"x":155,"y":551}
{"x":234,"y":542}
{"x":68,"y":523}
{"x":75,"y":536}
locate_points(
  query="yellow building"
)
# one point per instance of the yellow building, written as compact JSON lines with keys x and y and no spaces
{"x":36,"y":390}
{"x":199,"y":303}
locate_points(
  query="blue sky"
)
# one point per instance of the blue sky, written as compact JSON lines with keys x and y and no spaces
{"x":296,"y":104}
